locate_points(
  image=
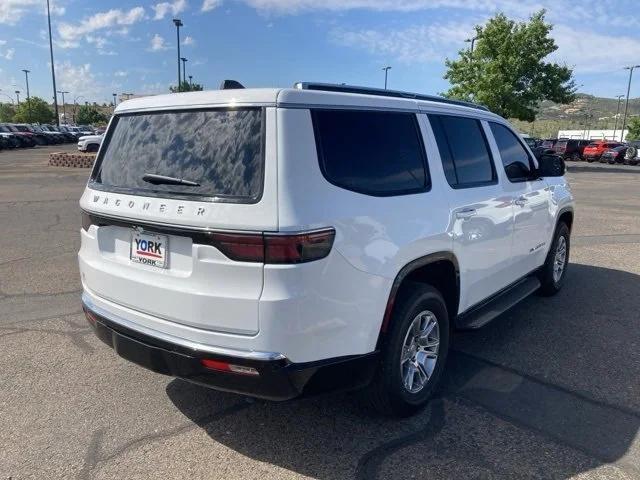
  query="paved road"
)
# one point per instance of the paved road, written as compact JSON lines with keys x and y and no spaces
{"x":549,"y":390}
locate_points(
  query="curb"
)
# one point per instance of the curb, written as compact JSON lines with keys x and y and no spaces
{"x":74,"y":160}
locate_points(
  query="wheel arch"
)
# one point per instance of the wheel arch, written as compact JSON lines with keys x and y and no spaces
{"x":440,"y":269}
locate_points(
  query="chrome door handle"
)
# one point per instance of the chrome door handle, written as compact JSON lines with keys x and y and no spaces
{"x":521,"y":201}
{"x":468,"y":213}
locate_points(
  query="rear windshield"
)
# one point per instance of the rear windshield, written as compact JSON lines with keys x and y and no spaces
{"x":218,"y":152}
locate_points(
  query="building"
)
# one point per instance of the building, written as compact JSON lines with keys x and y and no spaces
{"x":585,"y":134}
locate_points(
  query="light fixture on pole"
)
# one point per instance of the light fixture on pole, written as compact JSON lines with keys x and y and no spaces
{"x":190,"y":80}
{"x":17,"y":92}
{"x":178,"y":23}
{"x":53,"y":70}
{"x":115,"y":95}
{"x":386,"y":74}
{"x":471,"y":40}
{"x":626,"y":104}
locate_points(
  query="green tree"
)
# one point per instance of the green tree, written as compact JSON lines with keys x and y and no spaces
{"x":186,"y":87}
{"x":507,"y":71}
{"x":90,"y":115}
{"x":634,"y":129}
{"x":34,"y":110}
{"x":7,"y":112}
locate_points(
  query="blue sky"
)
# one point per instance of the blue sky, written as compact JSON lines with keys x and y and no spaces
{"x":130,"y":45}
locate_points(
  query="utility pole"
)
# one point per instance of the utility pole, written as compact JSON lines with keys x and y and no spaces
{"x":626,"y":105}
{"x":26,"y":76}
{"x":615,"y":125}
{"x":184,"y":69}
{"x":53,"y":70}
{"x":386,"y":73}
{"x":64,"y":110}
{"x":178,"y":23}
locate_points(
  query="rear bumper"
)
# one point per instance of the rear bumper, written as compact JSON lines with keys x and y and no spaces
{"x":277,"y":378}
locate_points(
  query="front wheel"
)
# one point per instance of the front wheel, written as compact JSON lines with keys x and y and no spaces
{"x":554,"y":270}
{"x":414,"y":353}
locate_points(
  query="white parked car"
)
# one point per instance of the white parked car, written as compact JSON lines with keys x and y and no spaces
{"x":275,"y":242}
{"x":90,"y":143}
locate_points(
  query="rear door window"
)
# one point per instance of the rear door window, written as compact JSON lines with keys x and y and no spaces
{"x":218,"y":151}
{"x":464,"y":151}
{"x":371,"y":152}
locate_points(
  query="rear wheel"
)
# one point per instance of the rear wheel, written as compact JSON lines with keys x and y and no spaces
{"x":414,"y":353}
{"x":92,"y":147}
{"x":553,"y":271}
{"x":575,"y":156}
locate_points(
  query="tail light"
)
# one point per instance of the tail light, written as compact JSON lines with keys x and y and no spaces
{"x":275,"y":248}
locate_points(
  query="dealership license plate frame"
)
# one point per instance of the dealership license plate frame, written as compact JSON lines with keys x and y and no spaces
{"x":149,"y":258}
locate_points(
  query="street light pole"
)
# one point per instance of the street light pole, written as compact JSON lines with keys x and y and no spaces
{"x":190,"y":80}
{"x":386,"y":73}
{"x":26,"y":76}
{"x":615,"y":126}
{"x":114,"y":101}
{"x":184,"y":69}
{"x":53,"y":70}
{"x":64,"y":110}
{"x":178,"y":23}
{"x":472,"y":41}
{"x":626,"y":104}
{"x":17,"y":92}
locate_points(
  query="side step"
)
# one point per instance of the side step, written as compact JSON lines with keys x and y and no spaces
{"x":483,"y":313}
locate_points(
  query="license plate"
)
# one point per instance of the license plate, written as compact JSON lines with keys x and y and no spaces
{"x":149,"y":249}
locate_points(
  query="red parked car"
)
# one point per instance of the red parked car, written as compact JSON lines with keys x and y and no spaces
{"x":594,"y":150}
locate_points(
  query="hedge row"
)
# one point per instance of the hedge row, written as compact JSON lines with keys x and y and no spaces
{"x":66,"y":159}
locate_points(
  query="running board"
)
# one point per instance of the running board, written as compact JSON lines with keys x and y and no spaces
{"x":483,"y":313}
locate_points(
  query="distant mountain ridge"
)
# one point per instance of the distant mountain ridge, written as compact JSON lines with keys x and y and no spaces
{"x":600,"y":107}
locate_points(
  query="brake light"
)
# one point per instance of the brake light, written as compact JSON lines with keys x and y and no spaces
{"x":275,"y":248}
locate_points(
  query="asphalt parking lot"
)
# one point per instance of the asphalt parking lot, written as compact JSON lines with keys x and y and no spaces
{"x":549,"y":390}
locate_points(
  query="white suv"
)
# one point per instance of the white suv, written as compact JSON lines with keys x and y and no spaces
{"x":276,"y":242}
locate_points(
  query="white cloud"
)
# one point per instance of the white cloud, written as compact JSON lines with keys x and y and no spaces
{"x":120,"y":73}
{"x":417,"y":44}
{"x":163,"y":8}
{"x":12,"y":11}
{"x":590,"y":52}
{"x":158,"y":43}
{"x":208,"y":5}
{"x":70,"y":34}
{"x":8,"y":54}
{"x":79,"y":80}
{"x":188,"y":40}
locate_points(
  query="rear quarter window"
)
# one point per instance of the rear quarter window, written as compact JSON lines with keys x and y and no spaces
{"x":371,"y":152}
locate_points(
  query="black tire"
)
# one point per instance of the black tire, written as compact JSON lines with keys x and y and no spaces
{"x":575,"y":156}
{"x":92,"y":147}
{"x":387,"y":393}
{"x":550,"y":283}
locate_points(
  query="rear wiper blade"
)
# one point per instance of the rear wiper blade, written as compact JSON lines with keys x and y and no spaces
{"x":164,"y":180}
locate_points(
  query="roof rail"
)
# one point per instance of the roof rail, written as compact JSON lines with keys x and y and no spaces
{"x":344,"y":88}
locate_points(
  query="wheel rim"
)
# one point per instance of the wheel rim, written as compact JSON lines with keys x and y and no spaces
{"x":420,"y":351}
{"x":560,"y":260}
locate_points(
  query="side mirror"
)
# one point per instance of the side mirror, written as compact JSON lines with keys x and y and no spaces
{"x":551,"y":166}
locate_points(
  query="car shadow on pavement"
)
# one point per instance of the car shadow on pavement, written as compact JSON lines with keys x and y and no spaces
{"x":548,"y":390}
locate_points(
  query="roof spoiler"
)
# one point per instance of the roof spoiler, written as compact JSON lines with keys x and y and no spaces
{"x":230,"y":85}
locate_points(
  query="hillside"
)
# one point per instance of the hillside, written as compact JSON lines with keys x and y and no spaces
{"x":553,"y":117}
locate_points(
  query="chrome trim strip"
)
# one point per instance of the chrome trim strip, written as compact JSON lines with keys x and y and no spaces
{"x":229,"y":352}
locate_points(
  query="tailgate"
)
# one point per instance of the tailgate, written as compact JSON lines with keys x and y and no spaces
{"x":146,"y":246}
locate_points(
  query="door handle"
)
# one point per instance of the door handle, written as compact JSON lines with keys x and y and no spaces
{"x":521,"y":201}
{"x":468,"y":213}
